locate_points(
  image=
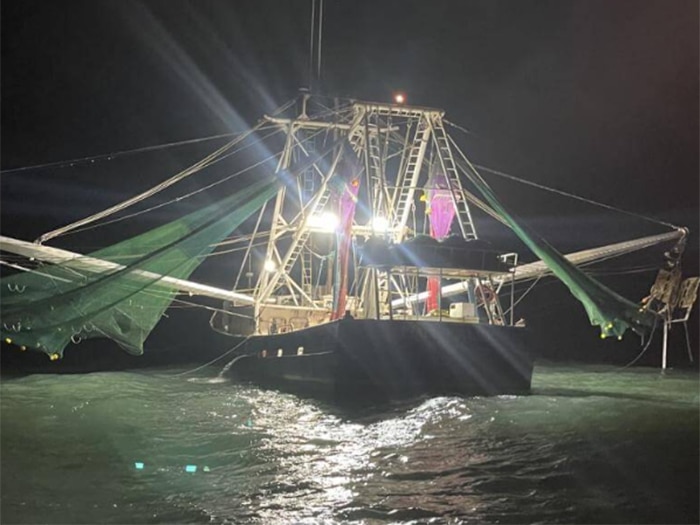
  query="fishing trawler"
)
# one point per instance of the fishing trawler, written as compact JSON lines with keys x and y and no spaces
{"x":361,"y":273}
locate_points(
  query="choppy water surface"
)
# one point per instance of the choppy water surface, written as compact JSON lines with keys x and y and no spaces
{"x":586,"y":447}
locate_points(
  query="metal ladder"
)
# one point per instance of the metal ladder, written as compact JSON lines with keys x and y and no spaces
{"x":308,"y":187}
{"x":447,"y":162}
{"x":408,"y":178}
{"x":299,"y":241}
{"x":302,"y":235}
{"x":376,"y":166}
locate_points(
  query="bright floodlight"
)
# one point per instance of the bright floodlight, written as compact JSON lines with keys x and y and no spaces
{"x":399,"y":98}
{"x":270,"y":265}
{"x":326,"y":222}
{"x":380,"y":224}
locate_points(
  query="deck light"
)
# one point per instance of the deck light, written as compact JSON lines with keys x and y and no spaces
{"x":380,"y":225}
{"x":326,"y":221}
{"x":270,"y":265}
{"x":399,"y":98}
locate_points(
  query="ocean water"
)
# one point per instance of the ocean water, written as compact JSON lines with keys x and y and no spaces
{"x":590,"y":445}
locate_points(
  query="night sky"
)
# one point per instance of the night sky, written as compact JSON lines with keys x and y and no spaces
{"x":598,"y":98}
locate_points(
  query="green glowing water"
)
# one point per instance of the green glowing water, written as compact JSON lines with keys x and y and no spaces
{"x":586,"y":447}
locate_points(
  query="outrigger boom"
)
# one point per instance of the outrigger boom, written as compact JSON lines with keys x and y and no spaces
{"x":536,"y":269}
{"x":522,"y":272}
{"x":58,"y":256}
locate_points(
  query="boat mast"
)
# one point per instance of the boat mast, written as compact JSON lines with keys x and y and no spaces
{"x":391,"y":142}
{"x":315,"y":45}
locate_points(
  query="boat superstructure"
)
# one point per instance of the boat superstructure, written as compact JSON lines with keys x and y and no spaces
{"x":373,"y":211}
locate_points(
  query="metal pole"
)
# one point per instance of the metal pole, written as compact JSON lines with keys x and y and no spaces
{"x":664,"y":351}
{"x":439,"y":295}
{"x":376,"y":293}
{"x":311,"y":44}
{"x":512,"y":296}
{"x":318,"y":47}
{"x":388,"y":295}
{"x":687,"y":341}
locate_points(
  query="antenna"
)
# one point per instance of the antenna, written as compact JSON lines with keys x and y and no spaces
{"x":315,"y":45}
{"x":320,"y":41}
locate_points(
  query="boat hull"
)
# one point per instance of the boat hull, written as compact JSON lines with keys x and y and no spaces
{"x":361,"y":359}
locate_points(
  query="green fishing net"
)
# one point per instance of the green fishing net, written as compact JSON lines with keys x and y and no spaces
{"x":605,"y":308}
{"x":46,"y":309}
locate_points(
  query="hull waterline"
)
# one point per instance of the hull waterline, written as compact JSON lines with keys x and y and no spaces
{"x":355,"y":360}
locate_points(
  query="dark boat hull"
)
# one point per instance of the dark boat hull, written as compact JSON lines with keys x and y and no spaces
{"x":353,"y":360}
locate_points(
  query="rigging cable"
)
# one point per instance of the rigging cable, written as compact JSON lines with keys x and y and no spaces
{"x":523,"y":295}
{"x":250,"y":243}
{"x":561,"y":192}
{"x":111,"y":156}
{"x":159,"y":187}
{"x":209,"y":363}
{"x":152,"y":191}
{"x":577,"y":197}
{"x":181,"y":197}
{"x":643,"y":351}
{"x":320,"y":35}
{"x":311,"y":43}
{"x":315,"y":41}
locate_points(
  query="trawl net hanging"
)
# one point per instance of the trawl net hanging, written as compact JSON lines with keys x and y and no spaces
{"x":440,"y":210}
{"x":605,"y":308}
{"x":44,"y":310}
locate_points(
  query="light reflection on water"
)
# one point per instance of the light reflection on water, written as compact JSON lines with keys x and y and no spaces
{"x":330,"y":457}
{"x":585,"y":448}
